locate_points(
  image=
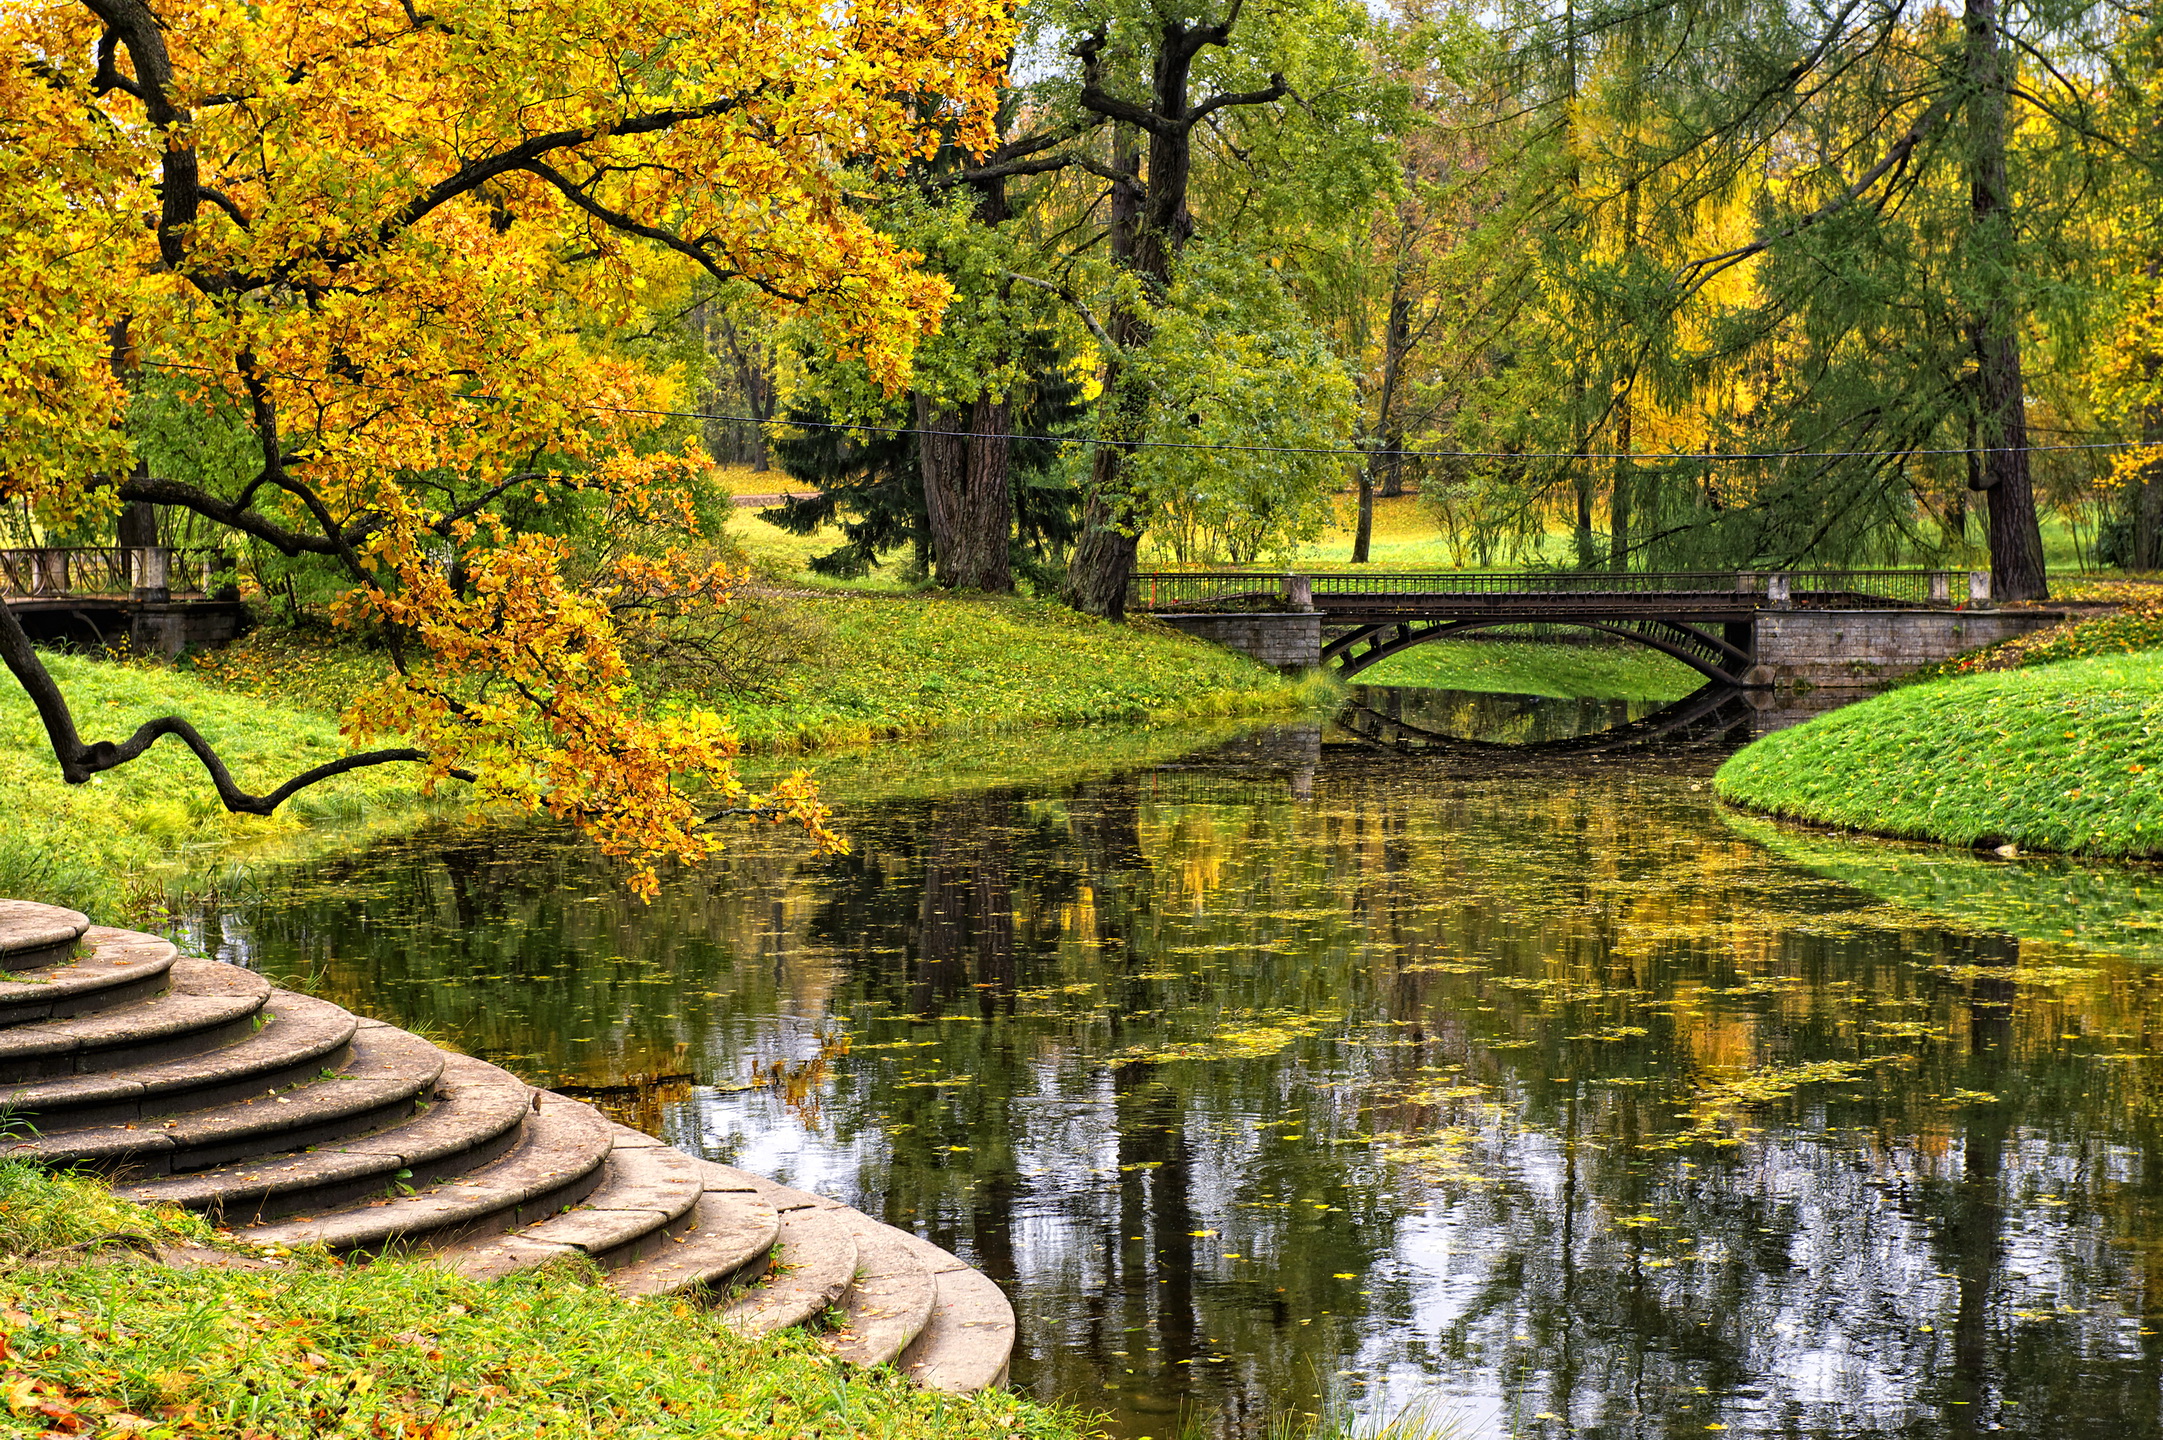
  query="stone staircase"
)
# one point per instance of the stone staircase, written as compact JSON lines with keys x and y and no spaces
{"x":293,"y":1122}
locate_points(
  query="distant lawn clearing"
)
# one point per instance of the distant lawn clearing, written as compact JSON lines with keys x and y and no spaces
{"x":2065,"y":758}
{"x":1525,"y":667}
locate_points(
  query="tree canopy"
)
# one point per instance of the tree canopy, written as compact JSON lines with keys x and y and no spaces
{"x":383,"y":248}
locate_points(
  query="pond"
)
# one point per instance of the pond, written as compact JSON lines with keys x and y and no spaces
{"x":1294,"y":1075}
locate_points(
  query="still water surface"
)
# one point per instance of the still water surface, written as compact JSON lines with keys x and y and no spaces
{"x":1292,"y":1075}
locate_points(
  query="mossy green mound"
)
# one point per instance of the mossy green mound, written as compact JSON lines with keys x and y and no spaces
{"x":2065,"y":758}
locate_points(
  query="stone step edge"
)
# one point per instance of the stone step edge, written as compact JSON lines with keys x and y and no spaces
{"x":205,"y":1006}
{"x":967,"y":1341}
{"x":645,"y":1199}
{"x":121,"y":966}
{"x":303,"y":1038}
{"x":34,"y":935}
{"x":889,"y":1302}
{"x":560,"y":1159}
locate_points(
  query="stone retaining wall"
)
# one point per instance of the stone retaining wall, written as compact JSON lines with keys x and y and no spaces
{"x":1855,"y":649}
{"x":1289,"y":641}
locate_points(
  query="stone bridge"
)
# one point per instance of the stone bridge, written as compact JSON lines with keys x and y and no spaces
{"x":1751,"y":629}
{"x":160,"y":599}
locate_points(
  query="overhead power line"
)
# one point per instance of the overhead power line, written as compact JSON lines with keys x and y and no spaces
{"x":1359,"y":451}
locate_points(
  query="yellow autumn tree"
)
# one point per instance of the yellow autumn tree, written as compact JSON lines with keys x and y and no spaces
{"x":372,"y":235}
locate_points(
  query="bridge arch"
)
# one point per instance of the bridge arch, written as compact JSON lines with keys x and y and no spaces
{"x":1712,"y":656}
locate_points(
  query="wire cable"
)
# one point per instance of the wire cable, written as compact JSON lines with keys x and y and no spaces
{"x":1364,"y":452}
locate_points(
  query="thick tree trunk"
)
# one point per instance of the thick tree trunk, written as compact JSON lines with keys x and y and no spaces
{"x":968,"y":492}
{"x":2016,"y":535}
{"x":942,"y":463}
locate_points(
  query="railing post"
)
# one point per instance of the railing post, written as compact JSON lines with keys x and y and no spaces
{"x":153,"y":573}
{"x":1299,"y":590}
{"x":1779,"y":590}
{"x":1941,"y":587}
{"x":1745,"y":582}
{"x":1979,"y":589}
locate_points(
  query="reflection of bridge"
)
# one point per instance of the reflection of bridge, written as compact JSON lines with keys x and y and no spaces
{"x":1734,"y":628}
{"x":159,"y":597}
{"x":1714,"y":716}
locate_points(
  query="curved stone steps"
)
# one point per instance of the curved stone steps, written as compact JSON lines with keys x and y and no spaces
{"x":117,"y":967}
{"x":390,"y":1072}
{"x":473,"y":1118}
{"x":303,"y":1037}
{"x":889,"y":1301}
{"x":317,"y":1128}
{"x":206,"y":1007}
{"x":34,"y":935}
{"x":559,"y":1159}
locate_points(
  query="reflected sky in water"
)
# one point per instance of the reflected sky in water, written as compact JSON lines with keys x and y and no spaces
{"x":1288,"y":1074}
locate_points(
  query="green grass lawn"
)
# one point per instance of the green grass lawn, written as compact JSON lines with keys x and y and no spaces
{"x":84,"y":845}
{"x":2065,"y":757}
{"x":883,"y":667}
{"x":111,"y":1343}
{"x":1598,"y":672}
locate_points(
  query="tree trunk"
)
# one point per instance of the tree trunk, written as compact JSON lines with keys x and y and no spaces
{"x":1150,"y":224}
{"x":1363,"y":535}
{"x":968,"y":492}
{"x":1111,"y":527}
{"x":983,"y":514}
{"x":138,"y":525}
{"x":2146,"y":551}
{"x":2016,"y":535}
{"x":942,"y":464}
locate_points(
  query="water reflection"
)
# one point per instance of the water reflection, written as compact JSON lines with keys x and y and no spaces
{"x":1300,"y":1072}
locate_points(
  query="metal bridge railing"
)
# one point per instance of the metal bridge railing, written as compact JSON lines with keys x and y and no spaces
{"x":109,"y":571}
{"x":1187,"y":590}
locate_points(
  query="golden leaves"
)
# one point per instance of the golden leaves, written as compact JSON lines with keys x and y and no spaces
{"x":412,"y":242}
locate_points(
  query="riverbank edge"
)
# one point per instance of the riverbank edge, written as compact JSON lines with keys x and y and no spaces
{"x":1981,"y":761}
{"x":139,"y":837}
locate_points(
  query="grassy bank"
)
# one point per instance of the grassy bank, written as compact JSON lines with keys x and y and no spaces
{"x":842,"y":669}
{"x":87,"y":846}
{"x":2065,"y":758}
{"x":1597,"y":672}
{"x":852,"y":670}
{"x":110,"y":1343}
{"x":876,"y":667}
